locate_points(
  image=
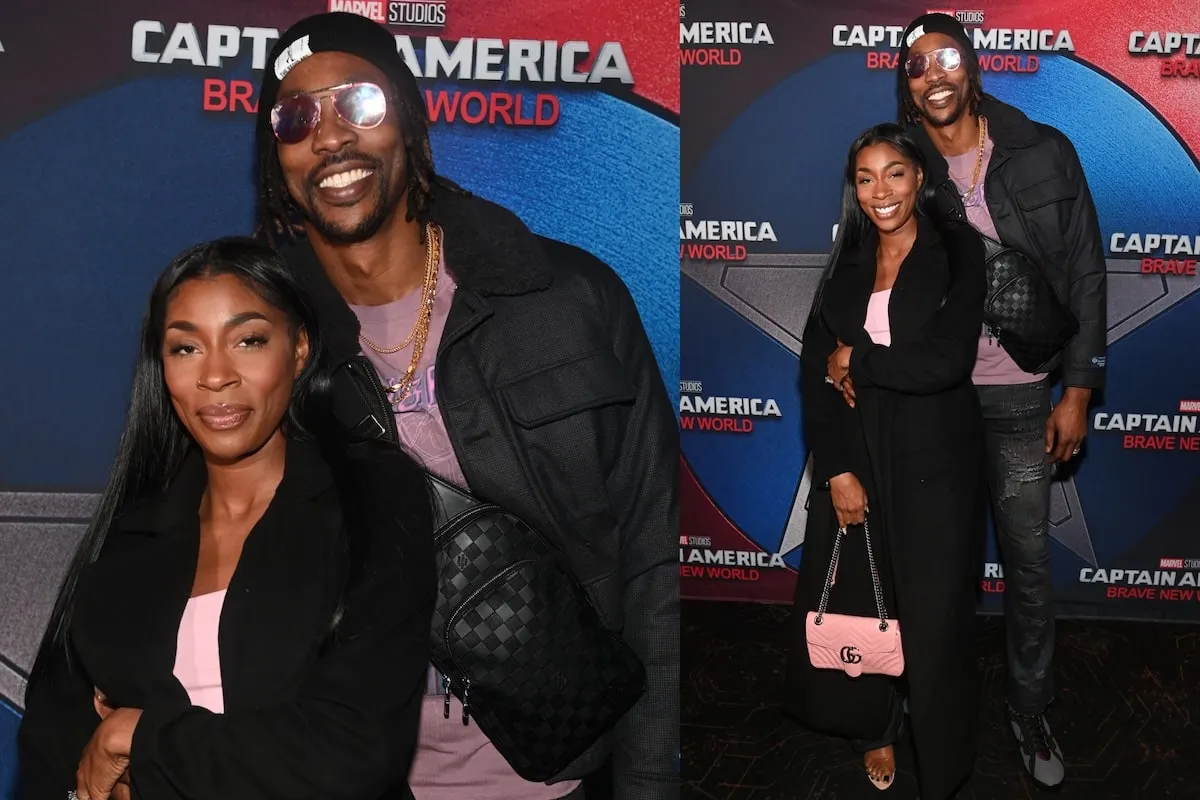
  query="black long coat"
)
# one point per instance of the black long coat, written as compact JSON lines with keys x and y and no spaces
{"x":915,"y":443}
{"x":304,"y":717}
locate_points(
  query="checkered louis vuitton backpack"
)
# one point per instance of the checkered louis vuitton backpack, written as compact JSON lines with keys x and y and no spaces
{"x":518,"y":640}
{"x":1022,"y":309}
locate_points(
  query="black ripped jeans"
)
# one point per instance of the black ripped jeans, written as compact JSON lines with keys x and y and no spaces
{"x":1014,"y":419}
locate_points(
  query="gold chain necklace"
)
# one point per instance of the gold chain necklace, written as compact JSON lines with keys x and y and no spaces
{"x":969,"y":195}
{"x":427,"y":290}
{"x":420,"y":332}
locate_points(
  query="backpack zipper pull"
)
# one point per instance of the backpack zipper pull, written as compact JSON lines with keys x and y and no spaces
{"x":446,"y":691}
{"x":466,"y":700}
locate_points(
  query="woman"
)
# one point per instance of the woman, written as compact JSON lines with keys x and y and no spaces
{"x":893,"y":424}
{"x":248,"y":614}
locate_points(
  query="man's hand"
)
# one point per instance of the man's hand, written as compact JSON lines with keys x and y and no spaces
{"x":848,"y":390}
{"x":106,"y":757}
{"x":838,"y":364}
{"x":100,"y":703}
{"x":1067,"y":425}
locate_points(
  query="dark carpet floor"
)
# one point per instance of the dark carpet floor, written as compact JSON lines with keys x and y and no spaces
{"x":1127,"y":716}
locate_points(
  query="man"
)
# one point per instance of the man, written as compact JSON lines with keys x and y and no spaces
{"x":1019,"y":182}
{"x":506,"y":362}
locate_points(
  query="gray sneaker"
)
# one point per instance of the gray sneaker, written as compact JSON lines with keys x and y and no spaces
{"x":1040,"y":752}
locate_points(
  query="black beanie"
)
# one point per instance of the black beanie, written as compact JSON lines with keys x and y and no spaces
{"x":936,"y":23}
{"x":338,"y":32}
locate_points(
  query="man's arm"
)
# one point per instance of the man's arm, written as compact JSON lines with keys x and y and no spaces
{"x":643,"y":490}
{"x":1085,"y":356}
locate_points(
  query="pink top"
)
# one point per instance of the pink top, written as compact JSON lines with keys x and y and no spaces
{"x":993,"y":366}
{"x":878,"y":324}
{"x":197,"y":658}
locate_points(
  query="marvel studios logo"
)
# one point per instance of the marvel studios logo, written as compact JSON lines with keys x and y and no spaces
{"x":695,"y":541}
{"x":1189,"y":406}
{"x":686,"y":210}
{"x":415,"y":13}
{"x":963,"y":17}
{"x":1179,"y":563}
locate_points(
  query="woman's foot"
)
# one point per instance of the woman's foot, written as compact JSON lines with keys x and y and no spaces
{"x":881,"y":767}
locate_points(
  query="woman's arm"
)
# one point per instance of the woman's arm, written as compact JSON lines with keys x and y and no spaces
{"x":351,"y":730}
{"x":831,"y":428}
{"x":59,"y":719}
{"x":942,"y":357}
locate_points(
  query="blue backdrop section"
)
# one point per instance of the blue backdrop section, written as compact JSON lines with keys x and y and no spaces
{"x":162,"y":152}
{"x":9,"y":720}
{"x":725,"y":464}
{"x":781,"y":161}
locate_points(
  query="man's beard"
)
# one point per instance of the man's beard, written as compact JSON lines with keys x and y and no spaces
{"x":383,"y":203}
{"x":956,"y":111}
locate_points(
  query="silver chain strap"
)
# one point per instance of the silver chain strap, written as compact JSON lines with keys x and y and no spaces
{"x":833,"y":563}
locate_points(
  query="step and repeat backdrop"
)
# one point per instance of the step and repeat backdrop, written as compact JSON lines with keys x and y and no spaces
{"x":773,"y":93}
{"x":128,"y":136}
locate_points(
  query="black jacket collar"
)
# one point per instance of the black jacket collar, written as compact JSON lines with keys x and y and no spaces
{"x":305,"y":476}
{"x":927,"y":237}
{"x":1008,"y":126}
{"x":489,"y":251}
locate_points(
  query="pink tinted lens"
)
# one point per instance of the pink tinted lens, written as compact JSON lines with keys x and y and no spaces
{"x":363,"y":105}
{"x":948,"y":58}
{"x":293,"y":118}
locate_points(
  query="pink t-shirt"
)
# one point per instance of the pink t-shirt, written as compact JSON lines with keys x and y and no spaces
{"x":197,"y":656}
{"x":453,"y":761}
{"x":993,"y":366}
{"x":878,"y":323}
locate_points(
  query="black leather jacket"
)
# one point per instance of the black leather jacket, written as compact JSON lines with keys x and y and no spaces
{"x":1040,"y":204}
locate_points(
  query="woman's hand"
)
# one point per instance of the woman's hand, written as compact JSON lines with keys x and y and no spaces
{"x":106,"y":757}
{"x":849,"y":499}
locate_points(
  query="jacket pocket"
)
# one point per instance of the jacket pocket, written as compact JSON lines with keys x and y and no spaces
{"x":1043,"y":193}
{"x":554,"y":393}
{"x":1046,"y":209}
{"x":570,"y":421}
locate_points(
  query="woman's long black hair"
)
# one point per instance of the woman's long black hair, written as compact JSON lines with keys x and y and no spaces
{"x":154,"y":443}
{"x":853,"y":223}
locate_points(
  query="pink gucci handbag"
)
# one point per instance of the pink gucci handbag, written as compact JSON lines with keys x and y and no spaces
{"x":854,"y":645}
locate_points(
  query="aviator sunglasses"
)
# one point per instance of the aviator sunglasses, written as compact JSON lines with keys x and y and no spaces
{"x":363,"y":105}
{"x":948,"y":59}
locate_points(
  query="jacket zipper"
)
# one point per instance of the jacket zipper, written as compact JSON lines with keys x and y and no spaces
{"x":450,"y":623}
